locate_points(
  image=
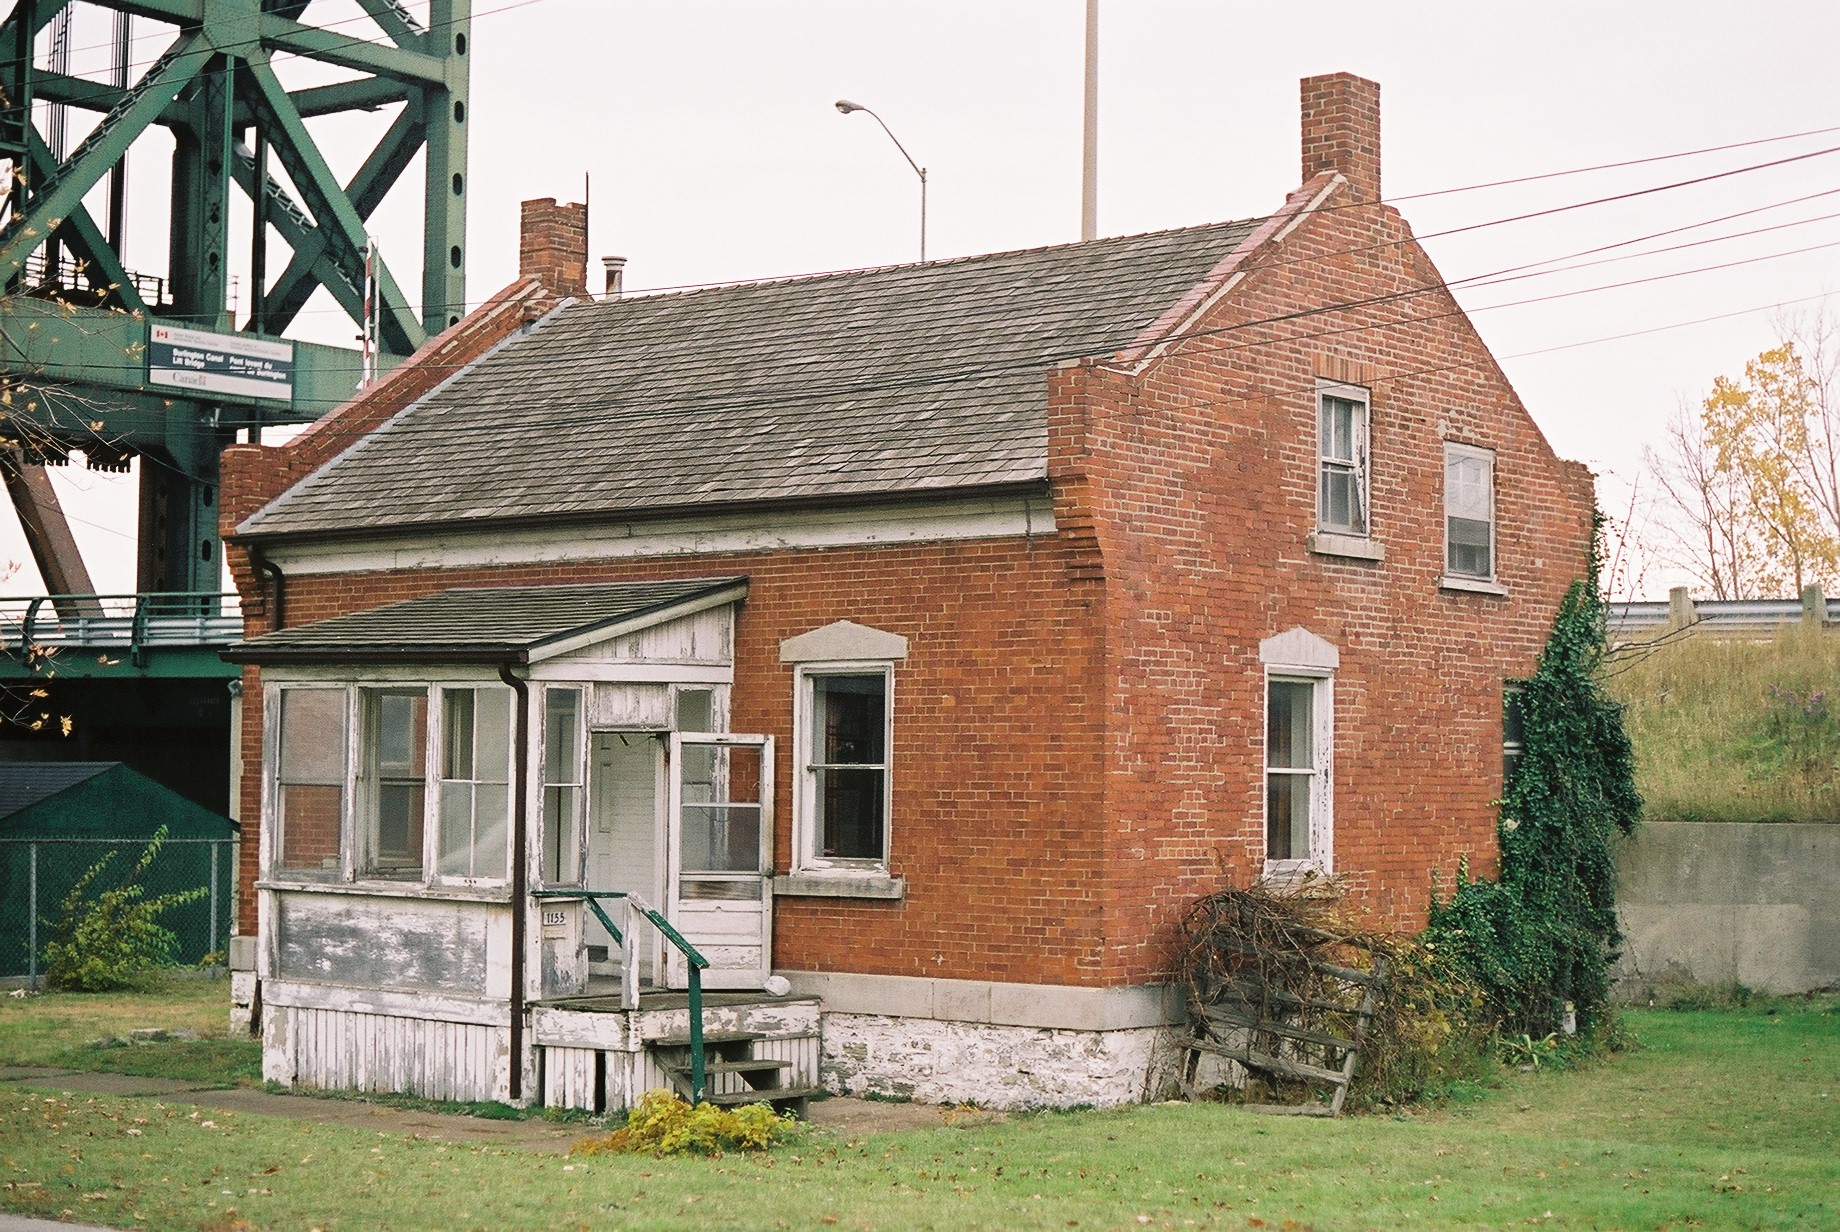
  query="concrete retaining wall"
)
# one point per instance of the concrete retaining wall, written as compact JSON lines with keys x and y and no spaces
{"x":1730,"y":902}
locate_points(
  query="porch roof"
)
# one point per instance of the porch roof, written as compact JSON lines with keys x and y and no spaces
{"x":512,"y":624}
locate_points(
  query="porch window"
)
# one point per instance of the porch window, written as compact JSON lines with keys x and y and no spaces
{"x":310,"y":781}
{"x":562,"y":786}
{"x":475,"y":782}
{"x":395,"y":727}
{"x":844,"y":784}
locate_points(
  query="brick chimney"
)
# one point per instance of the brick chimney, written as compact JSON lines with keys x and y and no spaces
{"x":1341,"y":131}
{"x":553,"y":246}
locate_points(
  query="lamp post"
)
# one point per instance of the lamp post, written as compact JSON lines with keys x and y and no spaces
{"x":845,"y":107}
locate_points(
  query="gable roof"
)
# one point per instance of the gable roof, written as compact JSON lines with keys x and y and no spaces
{"x":25,"y":783}
{"x":489,"y":625}
{"x":100,"y":800}
{"x":905,"y":380}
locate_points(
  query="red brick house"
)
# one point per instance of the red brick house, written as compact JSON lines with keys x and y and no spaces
{"x":929,"y":637}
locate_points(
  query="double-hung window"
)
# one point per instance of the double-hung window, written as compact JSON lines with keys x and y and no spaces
{"x":843,"y":790}
{"x":1341,"y":484}
{"x":1469,"y":512}
{"x":1299,"y":753}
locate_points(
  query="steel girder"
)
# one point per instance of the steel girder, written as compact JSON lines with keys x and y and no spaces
{"x":212,"y":85}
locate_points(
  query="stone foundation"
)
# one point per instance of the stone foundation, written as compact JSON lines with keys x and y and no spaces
{"x":934,"y":1061}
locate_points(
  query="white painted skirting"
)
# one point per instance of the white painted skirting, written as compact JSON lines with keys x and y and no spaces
{"x":908,"y":522}
{"x":342,"y":1050}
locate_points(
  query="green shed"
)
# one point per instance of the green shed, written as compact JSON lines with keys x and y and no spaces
{"x":60,"y":818}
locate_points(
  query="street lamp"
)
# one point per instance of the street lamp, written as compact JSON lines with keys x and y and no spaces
{"x":845,"y":107}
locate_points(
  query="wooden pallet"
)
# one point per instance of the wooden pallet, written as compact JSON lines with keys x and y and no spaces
{"x":1282,"y":1036}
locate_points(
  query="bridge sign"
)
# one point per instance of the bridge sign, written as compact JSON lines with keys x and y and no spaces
{"x":212,"y":363}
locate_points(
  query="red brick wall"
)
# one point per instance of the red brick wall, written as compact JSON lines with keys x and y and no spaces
{"x":1204,"y":470}
{"x":997,"y":821}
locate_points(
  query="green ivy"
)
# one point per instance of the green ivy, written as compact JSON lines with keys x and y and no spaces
{"x":1544,"y":934}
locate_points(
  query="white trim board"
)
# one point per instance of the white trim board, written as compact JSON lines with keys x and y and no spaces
{"x":454,"y":548}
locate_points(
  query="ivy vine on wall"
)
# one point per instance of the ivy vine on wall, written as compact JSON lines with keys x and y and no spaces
{"x":1544,"y":934}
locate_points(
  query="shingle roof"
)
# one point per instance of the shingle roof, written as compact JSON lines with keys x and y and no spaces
{"x":25,"y":783}
{"x":903,"y":380}
{"x":483,"y":625}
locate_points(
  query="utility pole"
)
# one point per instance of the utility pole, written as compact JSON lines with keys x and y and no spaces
{"x":1089,"y":180}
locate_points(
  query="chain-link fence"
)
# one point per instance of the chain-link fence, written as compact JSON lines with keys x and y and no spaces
{"x":37,"y":875}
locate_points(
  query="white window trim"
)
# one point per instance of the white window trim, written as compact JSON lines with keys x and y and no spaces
{"x":1340,"y":540}
{"x":1470,"y":581}
{"x":1299,"y":655}
{"x":356,"y":787}
{"x":806,"y":862}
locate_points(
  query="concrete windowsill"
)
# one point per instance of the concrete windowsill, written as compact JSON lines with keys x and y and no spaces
{"x":839,"y":885}
{"x":1474,"y":586}
{"x":1353,"y":547}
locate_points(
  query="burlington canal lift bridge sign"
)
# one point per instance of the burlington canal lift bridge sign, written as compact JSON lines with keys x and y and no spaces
{"x":211,"y":363}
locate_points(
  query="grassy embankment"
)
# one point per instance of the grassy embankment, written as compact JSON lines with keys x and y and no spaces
{"x":1735,"y":729}
{"x":1725,"y":1119}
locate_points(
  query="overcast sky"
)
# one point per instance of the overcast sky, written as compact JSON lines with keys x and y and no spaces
{"x":714,"y":152}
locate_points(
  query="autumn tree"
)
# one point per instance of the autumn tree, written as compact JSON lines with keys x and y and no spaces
{"x":1750,"y":484}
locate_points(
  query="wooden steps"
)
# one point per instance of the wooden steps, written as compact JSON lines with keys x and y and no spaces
{"x":732,"y":1074}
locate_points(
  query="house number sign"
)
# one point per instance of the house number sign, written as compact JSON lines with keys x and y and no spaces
{"x":555,"y":924}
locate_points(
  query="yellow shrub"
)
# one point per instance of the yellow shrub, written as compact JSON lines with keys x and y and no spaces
{"x":663,"y":1124}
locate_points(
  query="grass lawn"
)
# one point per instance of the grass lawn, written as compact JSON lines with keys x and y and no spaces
{"x":1723,"y":1119}
{"x":56,"y":1029}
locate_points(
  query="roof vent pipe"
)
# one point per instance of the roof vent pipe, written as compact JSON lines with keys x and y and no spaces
{"x":616,"y":275}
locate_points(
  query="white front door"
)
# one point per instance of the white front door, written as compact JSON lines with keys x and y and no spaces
{"x":721,"y":850}
{"x":624,"y":833}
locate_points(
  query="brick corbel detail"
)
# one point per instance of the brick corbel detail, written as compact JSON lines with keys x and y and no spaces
{"x":254,"y":475}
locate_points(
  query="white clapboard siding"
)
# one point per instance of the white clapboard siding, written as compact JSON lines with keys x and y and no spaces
{"x":345,"y":1050}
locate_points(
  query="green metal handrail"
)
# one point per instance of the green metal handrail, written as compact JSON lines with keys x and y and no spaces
{"x":692,"y":957}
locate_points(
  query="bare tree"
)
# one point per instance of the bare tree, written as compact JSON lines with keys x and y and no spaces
{"x":1704,"y":529}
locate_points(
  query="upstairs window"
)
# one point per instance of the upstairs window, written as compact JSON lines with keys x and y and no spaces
{"x":1469,"y":512}
{"x":1341,"y":486}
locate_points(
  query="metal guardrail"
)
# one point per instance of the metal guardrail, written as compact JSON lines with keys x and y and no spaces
{"x":629,"y":991}
{"x":129,"y":622}
{"x":1718,"y":615}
